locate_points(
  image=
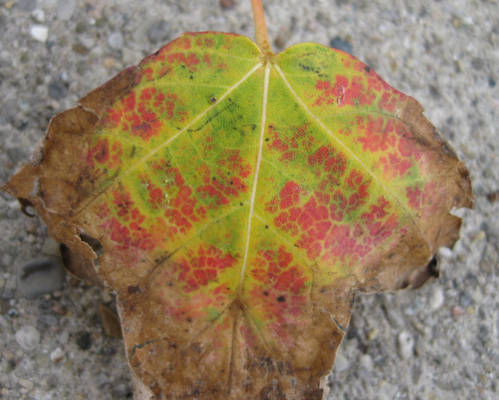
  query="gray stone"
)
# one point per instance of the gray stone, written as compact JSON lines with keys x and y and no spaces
{"x":158,"y":31}
{"x":28,"y":338}
{"x":409,"y":49}
{"x":40,"y":276}
{"x":115,"y":40}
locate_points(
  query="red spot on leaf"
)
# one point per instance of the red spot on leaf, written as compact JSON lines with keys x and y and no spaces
{"x":201,"y":267}
{"x":344,"y":92}
{"x":127,"y":228}
{"x":190,"y":60}
{"x":226,"y":181}
{"x":142,"y":116}
{"x":328,"y":165}
{"x":99,"y":152}
{"x":274,"y":268}
{"x":414,"y":195}
{"x":281,"y":295}
{"x":394,"y":166}
{"x":375,"y":135}
{"x":290,"y":195}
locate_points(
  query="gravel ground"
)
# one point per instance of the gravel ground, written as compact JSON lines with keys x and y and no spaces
{"x":439,"y":342}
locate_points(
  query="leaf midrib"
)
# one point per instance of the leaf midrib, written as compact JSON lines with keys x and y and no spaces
{"x":268,"y":66}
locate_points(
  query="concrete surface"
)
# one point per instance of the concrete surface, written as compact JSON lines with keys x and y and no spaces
{"x":440,"y":342}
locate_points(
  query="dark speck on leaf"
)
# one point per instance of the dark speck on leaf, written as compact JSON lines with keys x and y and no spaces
{"x":281,"y":299}
{"x":134,"y":289}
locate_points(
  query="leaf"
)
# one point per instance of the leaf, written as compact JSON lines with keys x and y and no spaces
{"x":236,"y":201}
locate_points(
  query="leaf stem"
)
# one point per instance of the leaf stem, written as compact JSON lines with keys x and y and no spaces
{"x":262,"y":37}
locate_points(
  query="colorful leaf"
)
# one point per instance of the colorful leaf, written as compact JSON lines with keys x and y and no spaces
{"x":236,"y":201}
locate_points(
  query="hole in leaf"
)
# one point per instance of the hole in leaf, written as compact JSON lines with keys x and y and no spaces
{"x":433,"y":268}
{"x":27,"y":208}
{"x":93,"y":243}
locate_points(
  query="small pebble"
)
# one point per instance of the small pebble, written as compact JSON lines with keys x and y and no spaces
{"x":39,"y":32}
{"x":366,"y":362}
{"x":115,"y":40}
{"x":227,"y":3}
{"x":372,"y":334}
{"x":65,"y":9}
{"x":79,"y":48}
{"x":3,"y":323}
{"x":84,"y":340}
{"x":109,"y":62}
{"x":40,"y":276}
{"x":106,"y":296}
{"x":386,"y":391}
{"x":50,"y":247}
{"x":282,"y":37}
{"x":446,"y":252}
{"x":341,"y":44}
{"x":26,"y":384}
{"x":405,"y":344}
{"x":436,"y":299}
{"x":13,"y":313}
{"x":57,"y":355}
{"x":57,"y":89}
{"x":28,"y":338}
{"x":158,"y":31}
{"x":38,"y":15}
{"x":59,"y":309}
{"x":465,"y":300}
{"x":341,"y":363}
{"x":492,"y":197}
{"x":8,"y":355}
{"x":26,"y":5}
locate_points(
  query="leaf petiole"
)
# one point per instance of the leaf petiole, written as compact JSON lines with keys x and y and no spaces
{"x":262,"y":38}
